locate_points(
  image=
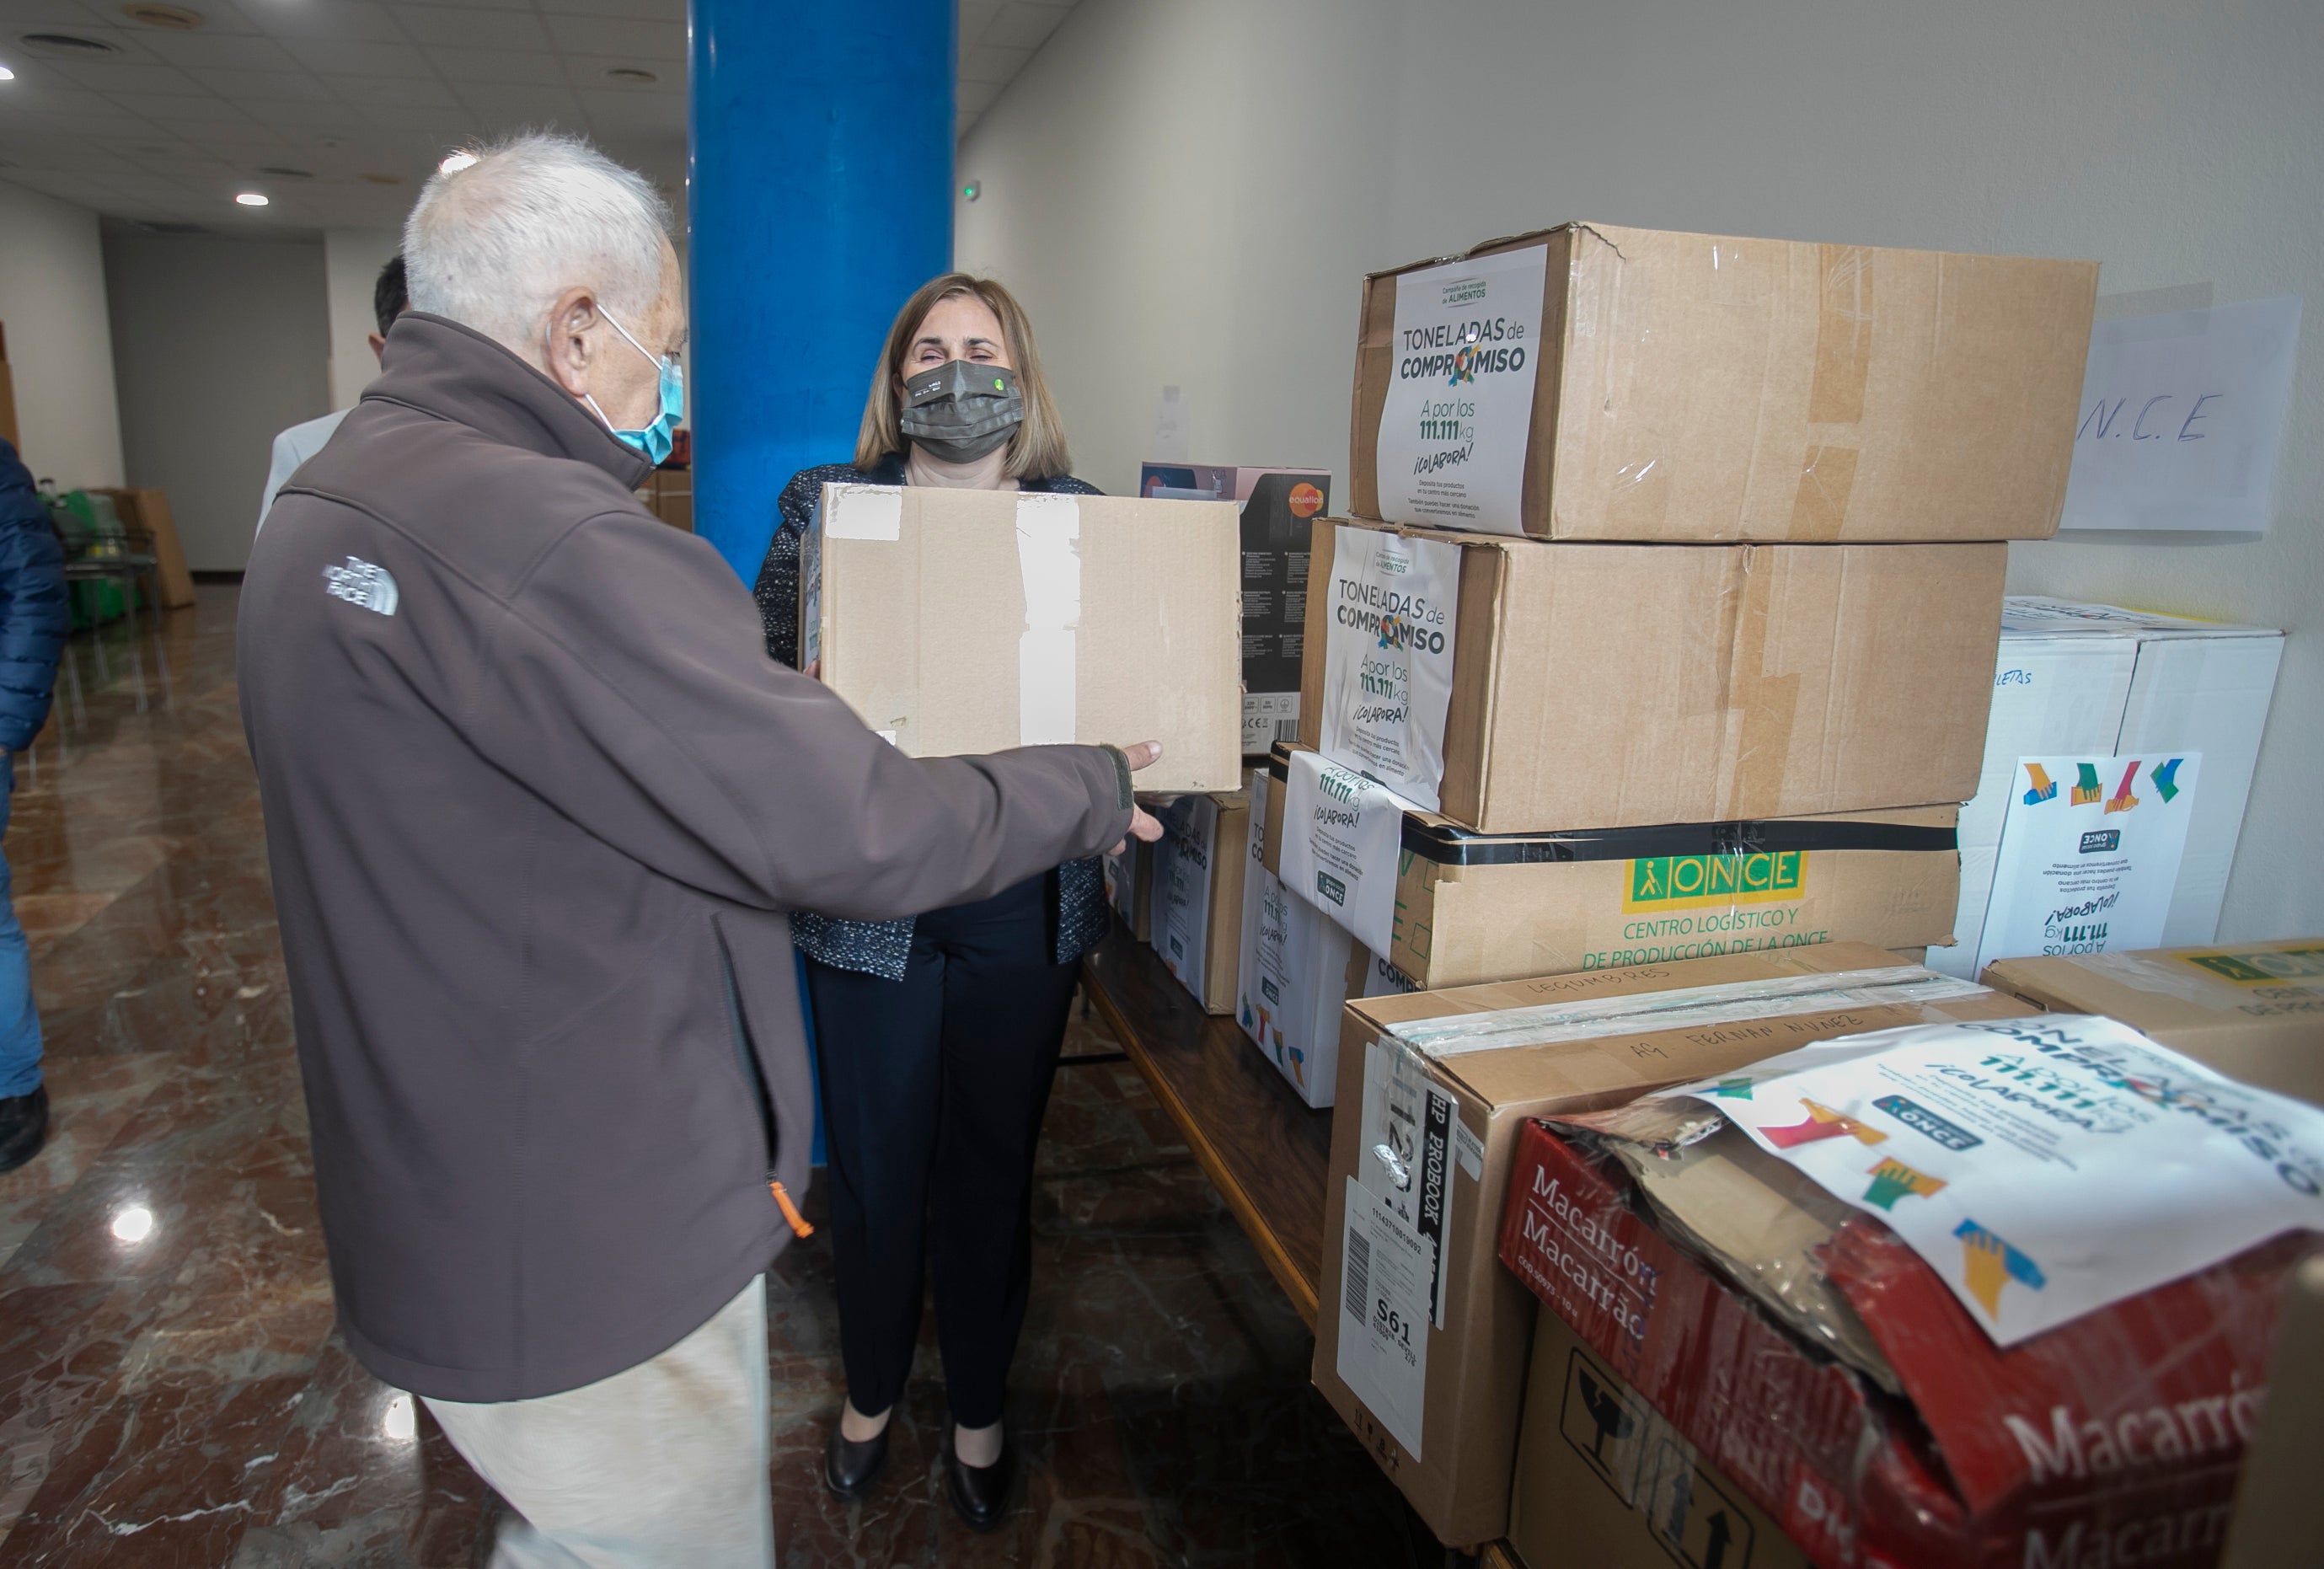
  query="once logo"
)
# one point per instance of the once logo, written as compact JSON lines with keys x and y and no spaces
{"x":1687,"y":882}
{"x":2101,"y":841}
{"x":1330,"y":888}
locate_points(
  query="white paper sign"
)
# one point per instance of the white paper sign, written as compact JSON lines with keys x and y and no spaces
{"x":2042,"y":1167}
{"x":1388,"y":657}
{"x":1460,"y":394}
{"x":2090,"y":854}
{"x":1399,"y":1204}
{"x":1341,"y":837}
{"x":2182,"y":419}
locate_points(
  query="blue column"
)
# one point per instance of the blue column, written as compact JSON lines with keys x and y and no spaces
{"x":820,"y":197}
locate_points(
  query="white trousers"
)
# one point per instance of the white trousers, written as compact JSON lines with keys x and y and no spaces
{"x":660,"y":1466}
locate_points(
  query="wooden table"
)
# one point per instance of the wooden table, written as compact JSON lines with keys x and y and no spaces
{"x":1262,"y":1146}
{"x":1260,"y":1143}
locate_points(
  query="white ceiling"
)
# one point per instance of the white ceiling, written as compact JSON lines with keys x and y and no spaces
{"x":365,"y":95}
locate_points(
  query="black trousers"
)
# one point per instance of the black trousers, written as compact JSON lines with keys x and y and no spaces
{"x":933,"y":1091}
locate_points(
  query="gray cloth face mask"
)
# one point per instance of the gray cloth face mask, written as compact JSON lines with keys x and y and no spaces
{"x":958,"y":411}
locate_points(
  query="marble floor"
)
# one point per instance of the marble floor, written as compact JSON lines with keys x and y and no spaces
{"x":172,"y":1392}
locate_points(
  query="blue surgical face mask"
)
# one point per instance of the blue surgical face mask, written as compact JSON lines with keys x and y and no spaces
{"x":657,"y":438}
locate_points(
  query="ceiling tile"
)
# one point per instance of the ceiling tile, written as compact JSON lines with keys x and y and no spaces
{"x":403,"y":5}
{"x":651,"y":10}
{"x":429,"y":93}
{"x":201,"y":51}
{"x":500,"y":109}
{"x":15,"y":15}
{"x":530,"y":67}
{"x":1023,"y":26}
{"x":975,"y":97}
{"x":122,"y":77}
{"x":355,"y":57}
{"x":352,"y":21}
{"x":635,"y":113}
{"x":985,"y":63}
{"x":241,"y":85}
{"x":444,"y":126}
{"x":310,"y":114}
{"x":639,"y":39}
{"x":587,"y":71}
{"x":187,"y":107}
{"x":976,"y":19}
{"x":464,"y":28}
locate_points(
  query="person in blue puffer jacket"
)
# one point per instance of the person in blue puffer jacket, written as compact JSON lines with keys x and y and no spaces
{"x":34,"y":622}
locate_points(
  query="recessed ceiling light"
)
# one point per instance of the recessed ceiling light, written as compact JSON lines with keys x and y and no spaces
{"x":636,"y":75}
{"x":251,"y":198}
{"x":176,"y":18}
{"x":281,"y":172}
{"x":6,"y":75}
{"x":456,"y":162}
{"x":67,"y":45}
{"x":380,"y":179}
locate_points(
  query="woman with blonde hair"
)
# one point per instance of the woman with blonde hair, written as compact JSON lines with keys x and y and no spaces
{"x":951,"y":1021}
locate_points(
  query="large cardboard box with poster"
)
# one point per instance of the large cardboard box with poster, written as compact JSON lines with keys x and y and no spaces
{"x":2252,"y":1011}
{"x":1277,"y":504}
{"x":1469,"y":908}
{"x":959,"y":622}
{"x":2101,"y":681}
{"x":1420,"y":1334}
{"x":1518,"y":684}
{"x":1596,"y":382}
{"x":1603,"y":1479}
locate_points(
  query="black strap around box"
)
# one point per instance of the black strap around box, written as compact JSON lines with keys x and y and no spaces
{"x":1450,"y":844}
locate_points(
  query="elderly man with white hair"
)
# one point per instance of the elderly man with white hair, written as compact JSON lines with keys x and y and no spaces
{"x":536,"y":805}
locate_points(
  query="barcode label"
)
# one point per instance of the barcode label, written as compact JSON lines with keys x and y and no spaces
{"x":1287,"y":729}
{"x":1358,"y":1294}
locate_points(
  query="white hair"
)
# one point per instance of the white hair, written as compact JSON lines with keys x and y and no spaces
{"x":493,"y":244}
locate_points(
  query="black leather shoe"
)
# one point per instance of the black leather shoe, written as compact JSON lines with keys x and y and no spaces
{"x":980,"y":1492}
{"x":849,"y":1468}
{"x":23,"y":1127}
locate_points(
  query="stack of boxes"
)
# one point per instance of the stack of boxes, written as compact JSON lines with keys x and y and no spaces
{"x":1659,"y":656}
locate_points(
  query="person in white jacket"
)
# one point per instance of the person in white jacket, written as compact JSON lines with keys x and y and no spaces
{"x":303,"y":440}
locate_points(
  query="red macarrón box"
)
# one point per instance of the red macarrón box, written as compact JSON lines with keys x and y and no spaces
{"x":2110,"y":1441}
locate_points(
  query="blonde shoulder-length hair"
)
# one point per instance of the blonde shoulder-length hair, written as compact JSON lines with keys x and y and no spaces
{"x":1036,"y":450}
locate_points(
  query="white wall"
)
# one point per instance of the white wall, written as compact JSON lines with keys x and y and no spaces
{"x":352,"y":259}
{"x":60,"y":339}
{"x":219,"y":344}
{"x":1189,"y":191}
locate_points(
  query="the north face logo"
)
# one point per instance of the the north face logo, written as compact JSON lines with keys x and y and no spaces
{"x":361,"y":583}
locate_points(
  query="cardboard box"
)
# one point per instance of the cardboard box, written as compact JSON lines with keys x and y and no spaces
{"x":1129,"y":886}
{"x":2101,"y":682}
{"x":1295,"y":973}
{"x":1603,"y":1479}
{"x":1620,"y":686}
{"x":1700,"y":387}
{"x":2252,"y":1011}
{"x":2111,"y":1439}
{"x":1198,"y":877}
{"x":1471,"y":906}
{"x":1277,"y":504}
{"x":1455,"y":1107}
{"x":964,"y":622}
{"x":8,"y":398}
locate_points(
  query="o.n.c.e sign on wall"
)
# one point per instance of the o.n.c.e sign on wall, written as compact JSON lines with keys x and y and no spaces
{"x":2182,"y":417}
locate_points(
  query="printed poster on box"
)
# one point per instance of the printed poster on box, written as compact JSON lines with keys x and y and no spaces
{"x":2044,"y":1168}
{"x":1388,"y":657}
{"x":2090,"y":854}
{"x":1454,"y":429}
